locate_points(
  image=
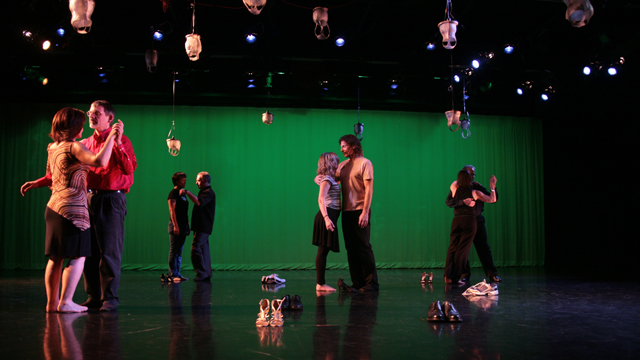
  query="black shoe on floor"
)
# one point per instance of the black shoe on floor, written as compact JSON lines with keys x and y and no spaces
{"x":286,"y":302}
{"x":296,"y":303}
{"x":450,"y":313}
{"x":346,"y":288}
{"x":435,"y":312}
{"x":495,"y":279}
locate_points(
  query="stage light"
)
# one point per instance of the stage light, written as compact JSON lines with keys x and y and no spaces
{"x":44,"y":80}
{"x":524,"y":88}
{"x":60,"y":32}
{"x":46,"y":45}
{"x":612,"y":71}
{"x":28,"y":34}
{"x":339,"y":42}
{"x":158,"y":35}
{"x":394,"y":86}
{"x":544,"y":97}
{"x":456,"y":78}
{"x":508,"y":49}
{"x":250,"y":38}
{"x":547,"y":93}
{"x":431,"y":46}
{"x":519,"y":91}
{"x":475,"y":64}
{"x":579,"y":12}
{"x":586,"y":70}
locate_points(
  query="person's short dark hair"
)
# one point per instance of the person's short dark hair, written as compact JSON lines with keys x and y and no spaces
{"x":352,"y":141}
{"x":206,"y":176}
{"x":177,"y":176}
{"x":66,"y":124}
{"x":108,"y":109}
{"x":464,"y":179}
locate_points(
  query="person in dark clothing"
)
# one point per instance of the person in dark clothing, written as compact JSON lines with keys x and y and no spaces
{"x":204,"y":210}
{"x":178,"y":226}
{"x":480,"y":241}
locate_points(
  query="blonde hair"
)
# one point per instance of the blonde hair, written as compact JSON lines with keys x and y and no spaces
{"x":328,"y":164}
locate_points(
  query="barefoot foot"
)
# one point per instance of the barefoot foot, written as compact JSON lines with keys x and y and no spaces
{"x":324,"y":287}
{"x":71,"y":307}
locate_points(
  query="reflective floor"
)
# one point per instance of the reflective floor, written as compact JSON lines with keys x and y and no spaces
{"x":537,"y":315}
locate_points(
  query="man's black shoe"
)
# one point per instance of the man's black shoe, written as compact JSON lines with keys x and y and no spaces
{"x":450,"y":313}
{"x":435,"y":312}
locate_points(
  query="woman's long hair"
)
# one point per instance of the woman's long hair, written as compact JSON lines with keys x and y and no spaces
{"x":464,"y":179}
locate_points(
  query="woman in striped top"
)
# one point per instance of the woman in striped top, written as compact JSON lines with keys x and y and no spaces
{"x":67,"y":215}
{"x":325,"y":235}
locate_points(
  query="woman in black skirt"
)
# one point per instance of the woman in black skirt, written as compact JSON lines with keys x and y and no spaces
{"x":325,"y":235}
{"x":67,"y":215}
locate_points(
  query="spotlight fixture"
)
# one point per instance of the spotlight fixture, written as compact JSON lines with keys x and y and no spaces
{"x":579,"y":12}
{"x":81,"y":11}
{"x":475,"y":63}
{"x":158,"y":35}
{"x":339,"y":42}
{"x":255,"y":6}
{"x":28,"y":35}
{"x":508,"y":49}
{"x":612,"y":71}
{"x":586,"y":70}
{"x":60,"y":32}
{"x":46,"y":45}
{"x":482,"y":58}
{"x":321,"y":18}
{"x":250,"y":38}
{"x":431,"y":46}
{"x":547,"y":93}
{"x":524,"y":88}
{"x":456,"y":78}
{"x":613,"y":68}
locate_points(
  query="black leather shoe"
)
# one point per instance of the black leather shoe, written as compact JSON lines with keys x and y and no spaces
{"x":296,"y":303}
{"x":346,"y":288}
{"x":450,"y":313}
{"x":435,"y":312}
{"x":92,"y":304}
{"x":286,"y":302}
{"x":495,"y":279}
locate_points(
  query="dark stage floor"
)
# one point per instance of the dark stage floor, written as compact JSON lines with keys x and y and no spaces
{"x":537,"y":315}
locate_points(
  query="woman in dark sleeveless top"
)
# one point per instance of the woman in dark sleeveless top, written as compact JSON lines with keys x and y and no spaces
{"x":464,"y":225}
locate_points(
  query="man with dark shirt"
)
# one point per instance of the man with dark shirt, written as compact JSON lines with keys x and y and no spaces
{"x":204,"y":211}
{"x":480,"y":242}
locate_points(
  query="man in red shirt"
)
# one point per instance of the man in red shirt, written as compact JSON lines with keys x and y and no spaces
{"x":107,"y":187}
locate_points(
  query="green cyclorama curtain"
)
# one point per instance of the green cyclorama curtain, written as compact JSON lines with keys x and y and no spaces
{"x":263,"y":179}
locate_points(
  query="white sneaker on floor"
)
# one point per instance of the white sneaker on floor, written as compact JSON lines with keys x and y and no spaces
{"x":272,"y":279}
{"x":481,"y":289}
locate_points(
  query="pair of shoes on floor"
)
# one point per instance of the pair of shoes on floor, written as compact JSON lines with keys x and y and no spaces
{"x":273,"y":319}
{"x":482,"y":289}
{"x":289,"y":303}
{"x":272,"y":279}
{"x":346,"y":288}
{"x":426,"y":278}
{"x":443,"y":312}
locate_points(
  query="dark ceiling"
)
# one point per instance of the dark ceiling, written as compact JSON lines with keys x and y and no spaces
{"x":385,"y":41}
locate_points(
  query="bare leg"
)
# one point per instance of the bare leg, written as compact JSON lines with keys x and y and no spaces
{"x":68,"y":342}
{"x":70,"y":277}
{"x":52,"y":282}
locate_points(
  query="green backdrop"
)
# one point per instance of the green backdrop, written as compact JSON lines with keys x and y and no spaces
{"x":263,"y":179}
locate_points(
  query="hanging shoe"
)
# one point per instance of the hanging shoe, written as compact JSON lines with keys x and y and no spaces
{"x":276,"y":315}
{"x":296,"y":303}
{"x":450,"y":312}
{"x":263,"y":315}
